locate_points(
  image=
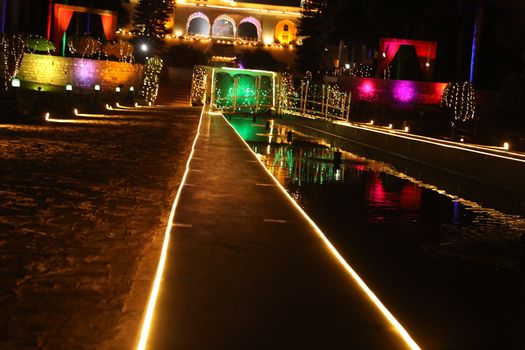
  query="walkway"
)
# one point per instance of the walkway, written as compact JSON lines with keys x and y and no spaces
{"x":245,"y":269}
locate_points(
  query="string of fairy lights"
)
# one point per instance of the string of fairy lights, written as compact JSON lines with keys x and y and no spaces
{"x":12,"y":52}
{"x":35,"y":43}
{"x":150,"y":87}
{"x":287,"y":94}
{"x":198,"y":88}
{"x":361,"y":70}
{"x":461,"y":98}
{"x":84,"y":45}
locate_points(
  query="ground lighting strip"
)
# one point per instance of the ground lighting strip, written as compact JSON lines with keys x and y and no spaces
{"x":442,"y":143}
{"x":148,"y":318}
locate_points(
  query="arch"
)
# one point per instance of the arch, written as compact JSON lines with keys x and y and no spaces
{"x":286,"y":31}
{"x":253,"y":21}
{"x":198,"y":24}
{"x":223,"y":26}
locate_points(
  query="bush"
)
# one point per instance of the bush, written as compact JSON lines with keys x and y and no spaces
{"x":84,"y":45}
{"x":122,"y":50}
{"x":38,"y":44}
{"x":186,"y":56}
{"x":10,"y":57}
{"x":260,"y":59}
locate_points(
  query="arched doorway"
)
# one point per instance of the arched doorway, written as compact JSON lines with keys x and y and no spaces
{"x":223,"y":26}
{"x":286,"y":32}
{"x":250,"y":29}
{"x":198,"y":24}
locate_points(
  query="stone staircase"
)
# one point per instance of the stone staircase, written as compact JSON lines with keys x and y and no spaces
{"x":175,"y":87}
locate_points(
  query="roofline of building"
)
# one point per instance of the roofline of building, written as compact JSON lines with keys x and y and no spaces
{"x":294,"y":11}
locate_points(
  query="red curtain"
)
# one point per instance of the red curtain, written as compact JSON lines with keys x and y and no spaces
{"x":62,"y":19}
{"x":109,"y":23}
{"x":425,"y":51}
{"x":387,"y":52}
{"x":426,"y":54}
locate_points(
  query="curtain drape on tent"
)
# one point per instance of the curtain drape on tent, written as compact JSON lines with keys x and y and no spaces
{"x":109,"y":23}
{"x":425,"y":51}
{"x":426,"y":54}
{"x":387,"y":52}
{"x":62,"y":18}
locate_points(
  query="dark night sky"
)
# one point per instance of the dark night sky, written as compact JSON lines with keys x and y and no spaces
{"x":277,"y":2}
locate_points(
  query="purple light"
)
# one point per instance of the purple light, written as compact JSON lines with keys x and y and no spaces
{"x":85,"y":73}
{"x":404,"y":91}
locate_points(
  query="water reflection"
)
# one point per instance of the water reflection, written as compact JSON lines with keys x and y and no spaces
{"x":428,"y":253}
{"x":379,"y":194}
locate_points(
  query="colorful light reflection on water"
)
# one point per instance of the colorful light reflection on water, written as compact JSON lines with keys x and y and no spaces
{"x":428,"y":253}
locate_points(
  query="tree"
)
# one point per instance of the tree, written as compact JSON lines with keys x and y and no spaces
{"x":150,"y":19}
{"x":313,"y":27}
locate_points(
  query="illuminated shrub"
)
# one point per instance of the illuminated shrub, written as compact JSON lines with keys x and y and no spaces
{"x":461,"y":99}
{"x":10,"y":57}
{"x":121,"y":50}
{"x":150,"y":88}
{"x":84,"y":45}
{"x":38,"y":44}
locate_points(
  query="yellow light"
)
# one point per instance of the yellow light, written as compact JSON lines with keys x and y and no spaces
{"x":108,"y":107}
{"x":117,"y":104}
{"x":462,"y":140}
{"x":178,"y":32}
{"x":146,"y":326}
{"x":429,"y":140}
{"x":149,"y":104}
{"x":372,"y":122}
{"x":75,"y":111}
{"x":136,"y":104}
{"x":69,"y":87}
{"x":268,"y":40}
{"x":407,"y":129}
{"x":373,"y":298}
{"x":506,"y":146}
{"x":15,"y":82}
{"x":47,"y":116}
{"x":390,"y":126}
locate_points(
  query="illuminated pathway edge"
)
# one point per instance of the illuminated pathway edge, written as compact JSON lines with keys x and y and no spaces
{"x":247,"y":269}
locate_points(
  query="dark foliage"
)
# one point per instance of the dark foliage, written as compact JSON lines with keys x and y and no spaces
{"x":260,"y":59}
{"x":186,"y":56}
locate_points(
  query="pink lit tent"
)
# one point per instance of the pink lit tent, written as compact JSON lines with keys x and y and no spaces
{"x":425,"y":51}
{"x":64,"y":13}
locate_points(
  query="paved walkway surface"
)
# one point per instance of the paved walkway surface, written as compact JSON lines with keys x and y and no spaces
{"x":245,"y":270}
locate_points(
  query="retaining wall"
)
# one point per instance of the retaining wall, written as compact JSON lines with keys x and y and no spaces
{"x":81,"y":72}
{"x":495,"y":170}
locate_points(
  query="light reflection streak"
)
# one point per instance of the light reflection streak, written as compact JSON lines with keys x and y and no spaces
{"x":148,"y":318}
{"x":375,"y":300}
{"x":495,"y":151}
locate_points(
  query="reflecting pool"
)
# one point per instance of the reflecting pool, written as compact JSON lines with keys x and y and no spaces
{"x":447,"y":267}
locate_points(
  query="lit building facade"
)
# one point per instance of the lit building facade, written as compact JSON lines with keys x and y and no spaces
{"x":231,"y":20}
{"x":240,"y":25}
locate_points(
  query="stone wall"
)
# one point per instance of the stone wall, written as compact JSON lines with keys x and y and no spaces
{"x":81,"y":72}
{"x":396,"y":94}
